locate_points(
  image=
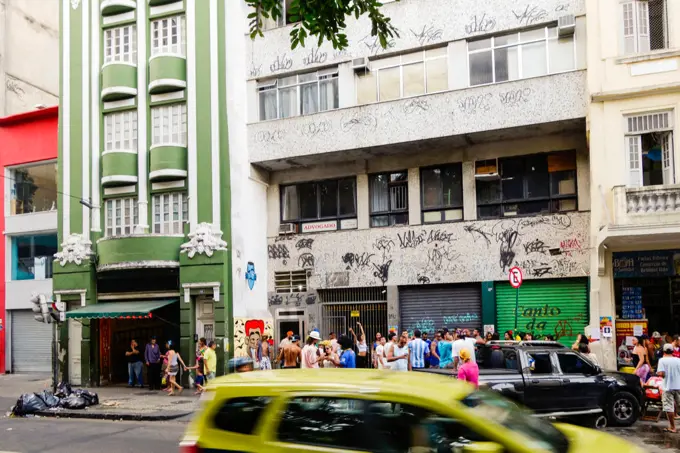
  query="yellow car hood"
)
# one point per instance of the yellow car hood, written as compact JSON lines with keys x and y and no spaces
{"x":584,"y":440}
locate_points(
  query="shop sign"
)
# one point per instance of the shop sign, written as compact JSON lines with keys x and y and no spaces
{"x":625,"y":331}
{"x":660,"y":263}
{"x":606,"y":326}
{"x":330,"y":225}
{"x":355,"y":314}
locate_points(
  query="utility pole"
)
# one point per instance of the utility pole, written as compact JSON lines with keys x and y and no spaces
{"x":43,"y":313}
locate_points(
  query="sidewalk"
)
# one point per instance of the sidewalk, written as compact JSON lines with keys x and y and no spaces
{"x":115,"y":403}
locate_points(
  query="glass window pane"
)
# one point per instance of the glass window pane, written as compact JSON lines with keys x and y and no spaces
{"x":286,"y":81}
{"x":328,"y":198}
{"x":290,"y":207}
{"x":537,"y":176}
{"x":438,"y":52}
{"x":512,"y":172}
{"x":366,"y":89}
{"x":380,"y":221}
{"x":437,"y":75}
{"x":268,"y":105}
{"x":507,"y":64}
{"x":479,"y":44}
{"x":431,"y":182}
{"x":561,"y":53}
{"x":512,"y":38}
{"x":240,"y":415}
{"x":288,"y":101}
{"x":412,"y":57}
{"x":414,"y":79}
{"x":564,"y":205}
{"x":378,"y":192}
{"x":308,"y":201}
{"x":534,"y":207}
{"x":329,"y":98}
{"x":532,"y":35}
{"x":452,"y":185}
{"x":488,"y":191}
{"x":309,"y":98}
{"x":34,"y":189}
{"x":432,"y":217}
{"x":563,"y":182}
{"x":489,"y":212}
{"x":347,"y":194}
{"x":534,"y":60}
{"x":389,"y":80}
{"x":481,"y":69}
{"x":386,"y":62}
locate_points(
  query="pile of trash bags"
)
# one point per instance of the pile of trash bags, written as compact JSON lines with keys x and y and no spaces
{"x":65,"y":398}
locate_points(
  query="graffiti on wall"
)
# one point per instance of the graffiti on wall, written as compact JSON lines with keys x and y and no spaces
{"x":251,"y":276}
{"x":552,"y":246}
{"x":548,"y":319}
{"x":248,"y":334}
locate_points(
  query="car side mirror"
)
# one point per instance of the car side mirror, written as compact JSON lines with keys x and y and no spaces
{"x":483,"y":447}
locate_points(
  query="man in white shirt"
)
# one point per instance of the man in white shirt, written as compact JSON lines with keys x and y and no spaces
{"x":389,"y":349}
{"x":401,"y":356}
{"x":380,"y":360}
{"x":669,"y":369}
{"x":464,"y":341}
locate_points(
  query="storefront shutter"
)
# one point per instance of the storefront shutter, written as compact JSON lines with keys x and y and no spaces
{"x":31,"y":343}
{"x":430,"y":308}
{"x":546,"y":307}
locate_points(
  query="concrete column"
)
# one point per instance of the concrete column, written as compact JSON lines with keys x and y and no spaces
{"x":583,"y":179}
{"x":273,"y":210}
{"x":253,"y":102}
{"x":414,"y":215}
{"x":469,"y":192}
{"x":458,"y":63}
{"x":346,"y":85}
{"x":393,"y":308}
{"x":363,"y":205}
{"x":602,"y":304}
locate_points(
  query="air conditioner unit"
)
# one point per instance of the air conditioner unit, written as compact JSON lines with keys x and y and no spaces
{"x":487,"y":170}
{"x":566,"y":25}
{"x":287,"y":228}
{"x":361,"y":64}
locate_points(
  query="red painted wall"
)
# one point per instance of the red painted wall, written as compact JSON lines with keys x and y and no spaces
{"x":24,"y":138}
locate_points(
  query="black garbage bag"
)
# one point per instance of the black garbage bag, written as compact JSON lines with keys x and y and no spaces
{"x":48,"y":398}
{"x":63,"y":390}
{"x":73,"y":402}
{"x":28,"y":403}
{"x":90,"y":398}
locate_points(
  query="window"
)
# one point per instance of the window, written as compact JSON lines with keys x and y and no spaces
{"x":526,"y":185}
{"x":120,"y":45}
{"x":33,"y":189}
{"x":269,"y":23}
{"x":413,"y":74}
{"x":336,"y":423}
{"x":574,"y":364}
{"x":290,"y":281}
{"x":168,"y":36}
{"x":442,"y":193}
{"x":170,"y":212}
{"x":169,"y":123}
{"x":520,"y":55}
{"x":539,"y":363}
{"x":644,"y":25}
{"x":120,"y":131}
{"x":240,"y":415}
{"x":389,"y":199}
{"x":324,"y":200}
{"x":301,"y":94}
{"x":32,"y":256}
{"x":649,"y":147}
{"x":120,"y":216}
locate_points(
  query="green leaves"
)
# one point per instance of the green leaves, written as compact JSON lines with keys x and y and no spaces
{"x":323,"y":20}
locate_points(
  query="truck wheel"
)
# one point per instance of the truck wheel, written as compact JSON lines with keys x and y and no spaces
{"x":623,"y":409}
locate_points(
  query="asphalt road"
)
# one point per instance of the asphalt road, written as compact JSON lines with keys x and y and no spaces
{"x":33,"y":435}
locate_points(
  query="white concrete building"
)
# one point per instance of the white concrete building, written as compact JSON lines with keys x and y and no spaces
{"x":402,"y":184}
{"x":29,"y":55}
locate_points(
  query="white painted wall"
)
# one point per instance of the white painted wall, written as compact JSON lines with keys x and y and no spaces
{"x":248,"y":191}
{"x":29,"y":54}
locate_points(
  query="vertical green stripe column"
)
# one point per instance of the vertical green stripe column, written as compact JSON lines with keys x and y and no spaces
{"x":77,"y":84}
{"x":60,"y":164}
{"x":225,"y":177}
{"x":203,"y":95}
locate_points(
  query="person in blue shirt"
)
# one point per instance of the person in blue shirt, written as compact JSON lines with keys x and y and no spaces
{"x":347,"y":357}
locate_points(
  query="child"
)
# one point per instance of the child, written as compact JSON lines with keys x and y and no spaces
{"x":200,"y":379}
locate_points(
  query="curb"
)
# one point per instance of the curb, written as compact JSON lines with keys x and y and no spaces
{"x":112,"y":416}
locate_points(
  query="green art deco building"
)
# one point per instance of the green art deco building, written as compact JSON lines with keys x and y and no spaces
{"x":145,"y":204}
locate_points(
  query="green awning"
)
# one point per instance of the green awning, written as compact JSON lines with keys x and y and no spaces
{"x":132,"y":310}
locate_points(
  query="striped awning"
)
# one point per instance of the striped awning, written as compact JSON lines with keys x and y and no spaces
{"x":125,"y":310}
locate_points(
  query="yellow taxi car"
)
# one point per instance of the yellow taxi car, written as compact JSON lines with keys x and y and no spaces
{"x":335,"y":410}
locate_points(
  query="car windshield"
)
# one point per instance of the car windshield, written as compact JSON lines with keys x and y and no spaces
{"x":540,"y":434}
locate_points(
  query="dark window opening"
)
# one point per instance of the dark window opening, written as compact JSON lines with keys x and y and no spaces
{"x":442,"y":193}
{"x":316,"y":201}
{"x":240,"y":415}
{"x":389,"y":199}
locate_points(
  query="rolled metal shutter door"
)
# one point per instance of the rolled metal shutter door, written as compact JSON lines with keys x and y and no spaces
{"x":31,"y":344}
{"x":547,"y":307}
{"x":431,"y":308}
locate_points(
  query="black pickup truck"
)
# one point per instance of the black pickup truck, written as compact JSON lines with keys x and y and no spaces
{"x":554,"y":381}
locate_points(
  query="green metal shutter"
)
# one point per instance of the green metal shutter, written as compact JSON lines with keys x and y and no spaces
{"x":546,"y":307}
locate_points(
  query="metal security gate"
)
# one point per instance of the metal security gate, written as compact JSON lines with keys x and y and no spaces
{"x":430,"y":308}
{"x":546,"y":307}
{"x":31,"y":343}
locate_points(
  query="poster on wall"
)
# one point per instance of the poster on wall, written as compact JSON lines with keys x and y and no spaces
{"x":625,"y":331}
{"x":631,"y":303}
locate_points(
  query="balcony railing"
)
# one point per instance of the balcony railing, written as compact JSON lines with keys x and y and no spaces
{"x":645,"y":206}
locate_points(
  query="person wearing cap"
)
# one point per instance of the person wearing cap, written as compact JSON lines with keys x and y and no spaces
{"x":669,"y":370}
{"x":468,"y":370}
{"x":309,"y":357}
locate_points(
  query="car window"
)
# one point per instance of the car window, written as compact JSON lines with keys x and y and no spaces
{"x":574,"y":364}
{"x":324,"y":421}
{"x":240,"y":415}
{"x":398,"y":427}
{"x":539,"y":363}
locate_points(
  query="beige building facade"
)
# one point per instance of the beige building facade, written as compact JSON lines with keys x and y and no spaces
{"x":634,"y":85}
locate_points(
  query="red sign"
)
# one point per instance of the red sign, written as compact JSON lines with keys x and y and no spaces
{"x":515,"y":277}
